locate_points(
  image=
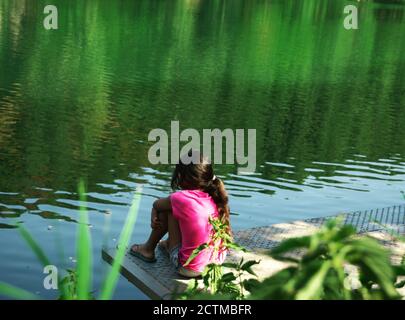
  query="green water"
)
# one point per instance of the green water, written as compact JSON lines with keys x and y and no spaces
{"x":328,"y":105}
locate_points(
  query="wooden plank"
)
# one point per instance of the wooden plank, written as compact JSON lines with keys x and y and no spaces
{"x":137,"y":276}
{"x":155,"y":283}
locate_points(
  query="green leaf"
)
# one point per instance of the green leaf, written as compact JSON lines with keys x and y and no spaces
{"x":228,"y":277}
{"x":229,"y":265}
{"x":313,"y":287}
{"x":241,"y":261}
{"x":275,"y":287}
{"x":192,"y":285}
{"x":399,"y":270}
{"x":289,"y":245}
{"x":83,"y":248}
{"x":251,"y":284}
{"x":16,"y":293}
{"x":250,"y":270}
{"x":236,"y":246}
{"x":248,"y":264}
{"x":344,"y":232}
{"x":111,"y":279}
{"x":195,"y":253}
{"x":226,"y":237}
{"x":43,"y":259}
{"x":400,"y":284}
{"x":39,"y":253}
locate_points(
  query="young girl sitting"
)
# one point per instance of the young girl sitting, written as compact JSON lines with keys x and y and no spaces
{"x":185,"y":215}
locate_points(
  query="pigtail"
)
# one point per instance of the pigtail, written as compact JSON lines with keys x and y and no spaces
{"x":216,"y":189}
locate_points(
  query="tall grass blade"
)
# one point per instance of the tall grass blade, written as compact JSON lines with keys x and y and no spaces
{"x":16,"y":293}
{"x":36,"y":249}
{"x":112,"y":277}
{"x":43,"y":259}
{"x":83,"y":249}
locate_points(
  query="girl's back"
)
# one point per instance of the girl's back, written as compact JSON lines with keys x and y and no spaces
{"x":192,"y":209}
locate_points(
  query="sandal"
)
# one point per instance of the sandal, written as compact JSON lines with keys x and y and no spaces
{"x":141,"y":256}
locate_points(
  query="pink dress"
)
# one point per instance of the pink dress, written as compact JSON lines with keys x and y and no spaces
{"x":192,"y":209}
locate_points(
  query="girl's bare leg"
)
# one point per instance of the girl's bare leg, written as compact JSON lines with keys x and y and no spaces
{"x":157,"y":233}
{"x":168,"y":225}
{"x":148,"y":248}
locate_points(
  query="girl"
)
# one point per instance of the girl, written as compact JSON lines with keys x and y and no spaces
{"x":185,"y":214}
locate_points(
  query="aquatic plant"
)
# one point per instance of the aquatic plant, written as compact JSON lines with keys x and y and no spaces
{"x":76,"y":285}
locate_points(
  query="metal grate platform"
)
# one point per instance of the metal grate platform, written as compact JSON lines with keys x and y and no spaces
{"x":389,"y":219}
{"x":159,"y":280}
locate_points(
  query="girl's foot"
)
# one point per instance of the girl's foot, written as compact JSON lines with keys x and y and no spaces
{"x":140,"y":251}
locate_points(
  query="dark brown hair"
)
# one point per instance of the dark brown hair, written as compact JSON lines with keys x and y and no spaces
{"x":193,"y":172}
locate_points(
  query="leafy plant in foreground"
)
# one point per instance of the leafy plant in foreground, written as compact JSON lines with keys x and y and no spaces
{"x":321,"y":274}
{"x":333,"y":263}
